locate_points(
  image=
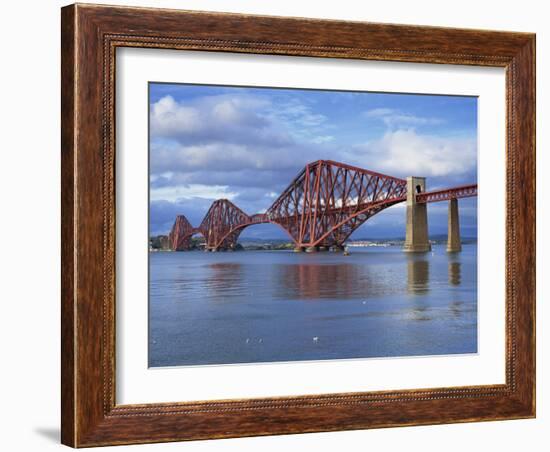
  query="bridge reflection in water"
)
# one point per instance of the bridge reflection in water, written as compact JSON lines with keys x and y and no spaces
{"x":329,"y":281}
{"x":313,"y":281}
{"x":454,"y":273}
{"x":418,"y":275}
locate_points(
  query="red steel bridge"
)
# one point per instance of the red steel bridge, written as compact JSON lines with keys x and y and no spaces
{"x":324,"y":204}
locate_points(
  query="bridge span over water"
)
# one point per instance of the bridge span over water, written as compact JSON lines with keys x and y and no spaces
{"x":324,"y":204}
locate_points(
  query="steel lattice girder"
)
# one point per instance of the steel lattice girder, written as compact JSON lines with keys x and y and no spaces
{"x":223,"y":224}
{"x":324,"y":204}
{"x":180,"y":235}
{"x":328,"y":200}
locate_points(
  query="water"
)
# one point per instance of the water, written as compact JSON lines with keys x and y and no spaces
{"x":268,"y":306}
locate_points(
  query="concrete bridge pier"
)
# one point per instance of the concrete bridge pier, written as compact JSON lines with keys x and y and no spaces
{"x":453,"y":234}
{"x":416,"y":237}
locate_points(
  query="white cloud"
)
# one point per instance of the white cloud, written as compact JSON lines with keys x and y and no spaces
{"x":176,"y":193}
{"x":396,"y":118}
{"x":378,"y":112}
{"x":408,"y":153}
{"x":210,"y":118}
{"x":232,"y":133}
{"x":299,"y":113}
{"x":322,"y":139}
{"x":219,"y":156}
{"x":298,"y":118}
{"x":167,"y":116}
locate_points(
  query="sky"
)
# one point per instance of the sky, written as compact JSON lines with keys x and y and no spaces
{"x":247,"y":144}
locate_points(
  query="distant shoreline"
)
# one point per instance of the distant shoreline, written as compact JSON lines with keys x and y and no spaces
{"x":281,"y":245}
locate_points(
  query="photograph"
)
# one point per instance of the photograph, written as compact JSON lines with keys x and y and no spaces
{"x":292,"y":224}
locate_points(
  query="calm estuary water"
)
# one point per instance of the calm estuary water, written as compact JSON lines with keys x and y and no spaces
{"x":266,"y":306}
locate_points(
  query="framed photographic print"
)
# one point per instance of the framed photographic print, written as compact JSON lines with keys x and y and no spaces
{"x":281,"y":225}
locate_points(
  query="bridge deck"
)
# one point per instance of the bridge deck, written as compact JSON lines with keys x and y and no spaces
{"x":463,"y":191}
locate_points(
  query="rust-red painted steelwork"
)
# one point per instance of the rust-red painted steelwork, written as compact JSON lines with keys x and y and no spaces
{"x":180,"y":235}
{"x":328,"y":200}
{"x":223,"y":224}
{"x":324,"y":204}
{"x":464,"y":191}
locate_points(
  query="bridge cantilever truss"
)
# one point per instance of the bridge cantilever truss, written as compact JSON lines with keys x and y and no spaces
{"x":324,"y":204}
{"x":180,"y":235}
{"x":328,"y":200}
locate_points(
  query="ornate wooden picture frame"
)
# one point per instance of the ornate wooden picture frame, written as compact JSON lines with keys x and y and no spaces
{"x":90,"y":37}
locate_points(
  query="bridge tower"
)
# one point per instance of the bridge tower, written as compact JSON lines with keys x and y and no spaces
{"x":416,"y":237}
{"x":453,"y":234}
